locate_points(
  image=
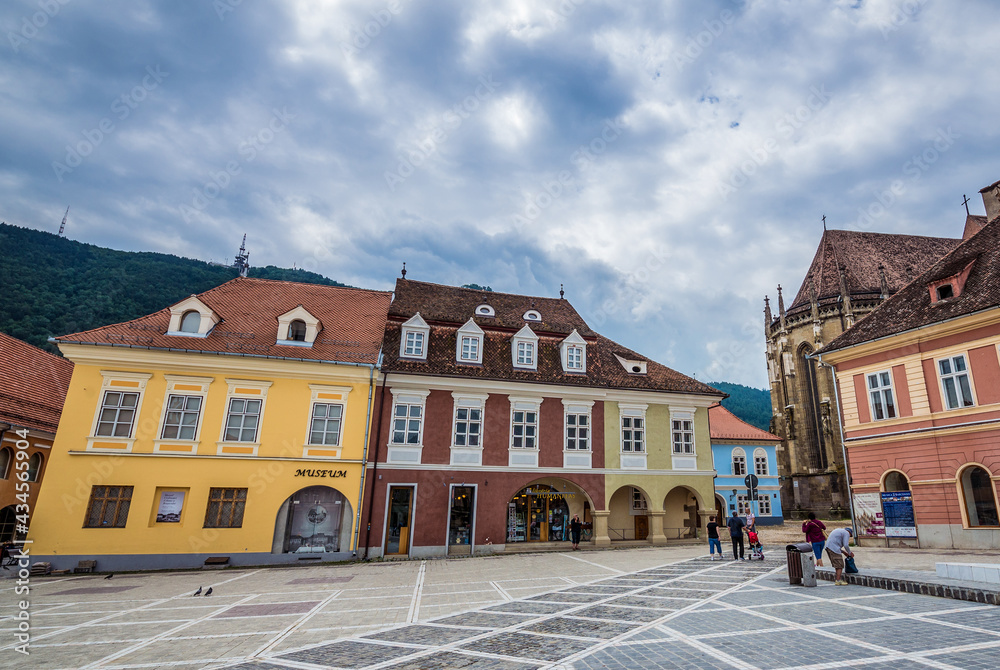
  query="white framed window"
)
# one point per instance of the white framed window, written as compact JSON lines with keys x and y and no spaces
{"x":298,"y":327}
{"x":407,"y":423}
{"x":117,"y":414}
{"x":469,"y":343}
{"x":574,"y":353}
{"x":118,"y":411}
{"x":739,"y":462}
{"x":524,"y":429}
{"x":880,"y":395}
{"x":578,"y":431}
{"x":764,"y":505}
{"x":639,"y":503}
{"x":682,"y":431}
{"x":413,"y":338}
{"x":485,"y":311}
{"x":191,"y":318}
{"x":468,"y":427}
{"x":633,"y":434}
{"x":532,"y":315}
{"x":742,"y":504}
{"x":243,"y":419}
{"x":955,"y":382}
{"x":241,"y":429}
{"x":181,"y":418}
{"x":191,"y":321}
{"x":759,"y":462}
{"x":325,"y":423}
{"x":524,"y":349}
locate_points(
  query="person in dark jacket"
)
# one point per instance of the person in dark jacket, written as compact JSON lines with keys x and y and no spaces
{"x":736,"y":525}
{"x":713,"y":538}
{"x":575,"y":528}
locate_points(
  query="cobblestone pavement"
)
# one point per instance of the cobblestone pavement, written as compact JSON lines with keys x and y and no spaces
{"x":637,"y":608}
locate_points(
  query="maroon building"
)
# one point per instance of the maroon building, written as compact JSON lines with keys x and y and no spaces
{"x":491,"y":424}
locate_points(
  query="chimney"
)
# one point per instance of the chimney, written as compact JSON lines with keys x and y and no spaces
{"x":991,"y":199}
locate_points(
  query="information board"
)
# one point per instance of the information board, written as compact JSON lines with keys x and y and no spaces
{"x":868,"y":514}
{"x":897,"y":509}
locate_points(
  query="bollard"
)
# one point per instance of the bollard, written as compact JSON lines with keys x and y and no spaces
{"x":808,"y":569}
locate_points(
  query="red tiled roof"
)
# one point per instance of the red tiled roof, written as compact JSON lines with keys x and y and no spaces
{"x":33,"y":385}
{"x":903,"y":257}
{"x":724,"y":425}
{"x":353,"y":322}
{"x":912,"y":308}
{"x":446,"y":309}
{"x":973,"y":224}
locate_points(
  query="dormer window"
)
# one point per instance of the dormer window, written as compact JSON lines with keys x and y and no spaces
{"x":469,"y":343}
{"x":532,"y":315}
{"x":573,"y":352}
{"x":633,"y":367}
{"x":485,"y":310}
{"x":524,"y":349}
{"x":949,"y":287}
{"x":191,"y":318}
{"x":298,"y":328}
{"x":413,"y":341}
{"x":191,"y":321}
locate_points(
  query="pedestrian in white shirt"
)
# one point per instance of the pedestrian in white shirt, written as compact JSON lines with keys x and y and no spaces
{"x":836,"y":549}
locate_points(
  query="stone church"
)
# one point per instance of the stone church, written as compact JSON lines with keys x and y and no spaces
{"x":851,"y":274}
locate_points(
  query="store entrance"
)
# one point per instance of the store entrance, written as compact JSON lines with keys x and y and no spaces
{"x":397,"y":526}
{"x":460,"y":522}
{"x":538,"y":513}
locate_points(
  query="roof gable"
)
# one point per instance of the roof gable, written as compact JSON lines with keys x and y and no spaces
{"x":33,"y":385}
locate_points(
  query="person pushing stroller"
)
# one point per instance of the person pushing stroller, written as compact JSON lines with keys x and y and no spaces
{"x":756,"y":548}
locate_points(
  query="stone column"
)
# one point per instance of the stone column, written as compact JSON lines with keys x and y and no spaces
{"x":705,"y":514}
{"x":656,"y":535}
{"x":601,"y":538}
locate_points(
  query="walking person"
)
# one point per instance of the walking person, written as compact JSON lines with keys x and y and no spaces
{"x":713,"y":538}
{"x":836,"y":549}
{"x":813,"y":528}
{"x":736,"y":526}
{"x":575,"y":528}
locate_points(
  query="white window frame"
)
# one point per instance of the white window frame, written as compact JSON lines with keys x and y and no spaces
{"x":418,"y":328}
{"x":323,"y":394}
{"x":208,"y":320}
{"x":524,"y":336}
{"x":683,"y":460}
{"x":760,"y":456}
{"x":955,"y":376}
{"x":407,"y":452}
{"x":763,"y":498}
{"x":467,"y":455}
{"x":245,"y":390}
{"x":524,"y":456}
{"x":118,"y":382}
{"x":285,"y":322}
{"x":738,"y":453}
{"x":639,"y":503}
{"x":576,"y":457}
{"x":743,"y":504}
{"x":186,"y":386}
{"x":632,"y":460}
{"x":472,"y":332}
{"x":573,"y":342}
{"x":881,"y":398}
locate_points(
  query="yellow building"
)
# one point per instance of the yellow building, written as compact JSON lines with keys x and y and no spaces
{"x":231,"y":425}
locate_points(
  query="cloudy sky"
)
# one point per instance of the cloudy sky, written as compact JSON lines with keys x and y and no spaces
{"x":669,"y":162}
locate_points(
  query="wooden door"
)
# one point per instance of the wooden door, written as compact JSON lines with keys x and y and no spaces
{"x":641,"y":527}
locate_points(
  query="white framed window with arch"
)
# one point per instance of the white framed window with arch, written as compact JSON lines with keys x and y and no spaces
{"x":760,"y":462}
{"x":739,"y":462}
{"x":977,"y":493}
{"x":191,"y":318}
{"x":894,"y":480}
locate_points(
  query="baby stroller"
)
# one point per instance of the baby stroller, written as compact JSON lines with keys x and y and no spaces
{"x":756,"y":548}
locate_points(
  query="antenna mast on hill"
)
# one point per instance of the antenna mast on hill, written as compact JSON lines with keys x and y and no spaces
{"x":62,"y":226}
{"x":242,"y":262}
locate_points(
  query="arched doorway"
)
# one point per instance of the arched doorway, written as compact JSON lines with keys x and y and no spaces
{"x":681,"y":518}
{"x":979,"y":496}
{"x":628,"y":517}
{"x":895,"y":481}
{"x":541,"y":513}
{"x":720,"y":510}
{"x":316,"y":519}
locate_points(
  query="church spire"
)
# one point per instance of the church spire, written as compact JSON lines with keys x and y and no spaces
{"x":883,"y":284}
{"x":781,"y":307}
{"x":845,"y":297}
{"x":767,"y":316}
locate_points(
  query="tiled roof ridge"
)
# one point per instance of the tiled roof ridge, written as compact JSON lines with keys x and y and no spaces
{"x":266,"y":280}
{"x":749,"y":431}
{"x":626,"y":352}
{"x":66,"y":338}
{"x":480,"y":291}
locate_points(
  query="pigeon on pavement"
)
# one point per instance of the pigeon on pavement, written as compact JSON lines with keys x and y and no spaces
{"x":198,"y":592}
{"x":110,"y":576}
{"x":209,"y":591}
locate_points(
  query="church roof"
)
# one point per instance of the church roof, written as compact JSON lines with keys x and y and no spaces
{"x":33,"y":385}
{"x":973,"y":224}
{"x":724,"y":425}
{"x":912,"y":307}
{"x":903,"y":257}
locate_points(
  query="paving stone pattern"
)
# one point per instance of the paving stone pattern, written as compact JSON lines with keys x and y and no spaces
{"x":683,"y":613}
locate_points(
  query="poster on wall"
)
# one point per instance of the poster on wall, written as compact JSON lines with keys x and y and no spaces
{"x":171,"y":505}
{"x":897,"y":506}
{"x":868,"y":514}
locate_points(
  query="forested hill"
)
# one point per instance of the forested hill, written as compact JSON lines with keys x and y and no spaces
{"x":50,"y":285}
{"x":750,"y":404}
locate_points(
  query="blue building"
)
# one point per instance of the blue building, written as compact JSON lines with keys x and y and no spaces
{"x":739,"y":449}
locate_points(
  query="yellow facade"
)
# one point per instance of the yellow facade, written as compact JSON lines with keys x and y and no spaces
{"x":278,"y":463}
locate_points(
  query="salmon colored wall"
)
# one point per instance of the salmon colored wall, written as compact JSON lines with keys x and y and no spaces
{"x":932,"y":385}
{"x":902,"y":389}
{"x":985,"y":374}
{"x":861,"y":393}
